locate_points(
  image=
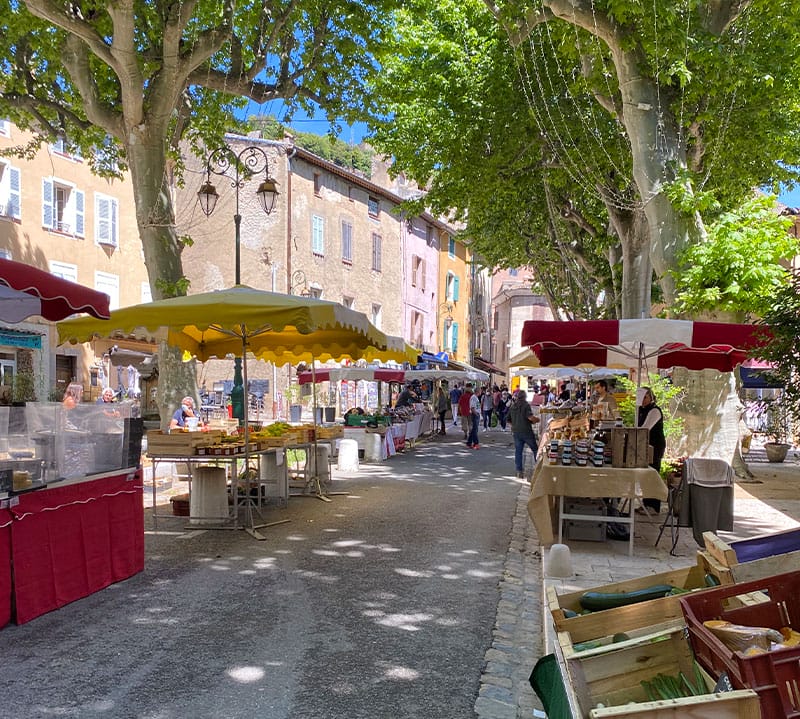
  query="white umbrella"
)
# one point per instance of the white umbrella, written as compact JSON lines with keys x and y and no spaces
{"x":16,"y":306}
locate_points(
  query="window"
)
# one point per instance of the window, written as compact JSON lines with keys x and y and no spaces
{"x":451,"y":287}
{"x":318,"y":235}
{"x":513,"y":272}
{"x":146,"y":293}
{"x":451,"y":337}
{"x":416,"y":328}
{"x":349,"y":302}
{"x":5,"y":128}
{"x":106,"y":220}
{"x":347,"y":242}
{"x":418,"y":272}
{"x":451,"y":247}
{"x":376,"y":252}
{"x":429,"y":236}
{"x":105,"y":282}
{"x":62,"y":207}
{"x":350,"y":193}
{"x":10,"y":192}
{"x":62,"y":147}
{"x":64,"y":270}
{"x":375,"y":315}
{"x":373,"y":206}
{"x":317,"y":183}
{"x":315,"y":291}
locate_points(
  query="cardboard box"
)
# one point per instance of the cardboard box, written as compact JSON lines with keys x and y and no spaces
{"x":629,"y":446}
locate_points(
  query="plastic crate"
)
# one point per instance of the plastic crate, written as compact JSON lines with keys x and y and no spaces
{"x":775,"y":676}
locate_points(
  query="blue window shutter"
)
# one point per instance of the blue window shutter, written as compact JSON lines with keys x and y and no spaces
{"x":455,"y":336}
{"x":47,"y":203}
{"x":14,"y":198}
{"x":455,"y":289}
{"x":80,"y":209}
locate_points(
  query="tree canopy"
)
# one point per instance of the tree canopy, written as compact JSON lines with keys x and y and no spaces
{"x":136,"y":78}
{"x":633,"y":123}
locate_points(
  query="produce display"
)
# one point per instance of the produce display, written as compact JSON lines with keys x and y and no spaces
{"x":663,"y":686}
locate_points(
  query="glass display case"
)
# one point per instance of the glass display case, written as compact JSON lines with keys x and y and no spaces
{"x":45,"y":442}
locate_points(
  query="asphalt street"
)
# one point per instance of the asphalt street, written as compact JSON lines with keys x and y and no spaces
{"x":377,"y":605}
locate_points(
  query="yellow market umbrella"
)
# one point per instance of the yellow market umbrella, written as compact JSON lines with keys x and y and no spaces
{"x":272,"y":326}
{"x":275,"y":327}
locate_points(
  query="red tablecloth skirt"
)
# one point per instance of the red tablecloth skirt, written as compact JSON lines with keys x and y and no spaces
{"x":71,"y":541}
{"x":5,"y":567}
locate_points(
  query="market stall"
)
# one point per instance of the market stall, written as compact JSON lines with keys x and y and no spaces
{"x":242,"y":320}
{"x":551,"y":481}
{"x":71,"y":518}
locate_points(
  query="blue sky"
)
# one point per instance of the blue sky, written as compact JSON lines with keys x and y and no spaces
{"x":301,"y":122}
{"x":355,"y":133}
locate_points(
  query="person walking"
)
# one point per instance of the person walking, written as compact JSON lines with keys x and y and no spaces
{"x":442,"y":405}
{"x":503,"y":407}
{"x":475,"y":418}
{"x":522,"y":421}
{"x":487,"y":407}
{"x":455,"y":395}
{"x":463,"y":410}
{"x":651,"y":417}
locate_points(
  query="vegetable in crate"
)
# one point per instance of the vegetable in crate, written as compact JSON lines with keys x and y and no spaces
{"x":597,"y":601}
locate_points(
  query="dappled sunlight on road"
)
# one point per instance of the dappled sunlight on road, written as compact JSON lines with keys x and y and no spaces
{"x":246,"y":675}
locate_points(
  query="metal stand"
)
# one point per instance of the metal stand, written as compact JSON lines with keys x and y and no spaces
{"x":674,"y":499}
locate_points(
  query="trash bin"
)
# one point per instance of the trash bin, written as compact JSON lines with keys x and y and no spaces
{"x":373,"y":443}
{"x":295,"y":412}
{"x":273,"y":477}
{"x":348,"y":456}
{"x":209,"y":501}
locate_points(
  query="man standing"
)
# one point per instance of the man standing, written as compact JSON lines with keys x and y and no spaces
{"x":463,"y":409}
{"x":455,"y":395}
{"x":522,"y":421}
{"x":475,"y":418}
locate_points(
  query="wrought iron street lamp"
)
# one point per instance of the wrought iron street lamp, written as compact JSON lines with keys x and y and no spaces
{"x":242,"y":165}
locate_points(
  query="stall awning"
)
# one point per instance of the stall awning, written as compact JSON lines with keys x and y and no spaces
{"x":671,"y":343}
{"x":334,"y":374}
{"x":427,"y":360}
{"x":487,"y":366}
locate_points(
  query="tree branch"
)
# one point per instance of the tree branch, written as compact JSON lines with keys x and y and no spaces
{"x":76,"y":61}
{"x":74,"y":25}
{"x":719,"y":14}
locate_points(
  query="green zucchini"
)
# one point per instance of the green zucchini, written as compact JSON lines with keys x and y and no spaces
{"x":597,"y":601}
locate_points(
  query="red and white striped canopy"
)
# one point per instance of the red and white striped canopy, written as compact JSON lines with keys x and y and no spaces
{"x":614,"y":343}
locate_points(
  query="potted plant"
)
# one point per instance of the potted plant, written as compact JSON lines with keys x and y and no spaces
{"x":777,"y":430}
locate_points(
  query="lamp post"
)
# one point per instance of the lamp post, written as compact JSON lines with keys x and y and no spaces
{"x":245,"y":164}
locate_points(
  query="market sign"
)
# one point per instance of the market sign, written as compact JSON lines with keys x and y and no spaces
{"x":20,"y":339}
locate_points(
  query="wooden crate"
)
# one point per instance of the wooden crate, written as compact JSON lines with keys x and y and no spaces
{"x":271,"y":442}
{"x":633,"y":619}
{"x":333,"y":432}
{"x":179,"y":444}
{"x":614,"y":678}
{"x":773,"y":553}
{"x":629,"y":446}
